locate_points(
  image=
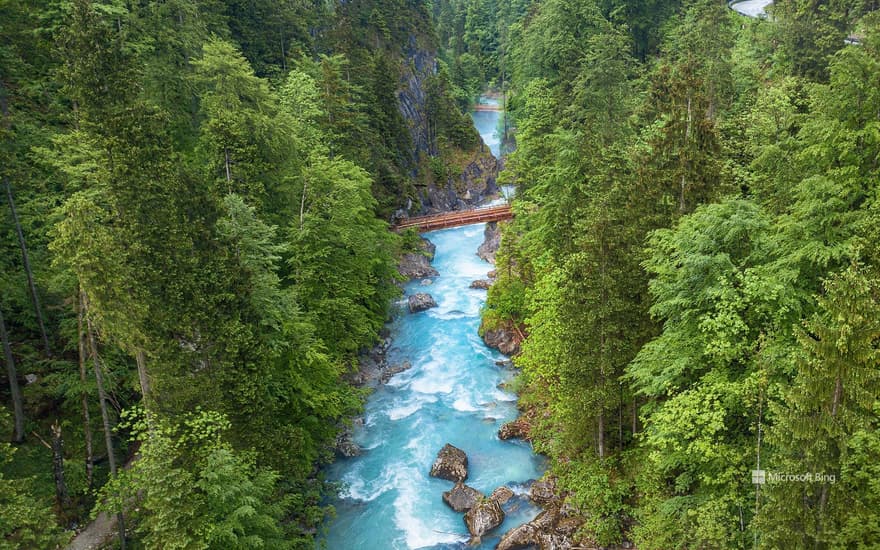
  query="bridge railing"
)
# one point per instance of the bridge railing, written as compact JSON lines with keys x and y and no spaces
{"x":457,"y":218}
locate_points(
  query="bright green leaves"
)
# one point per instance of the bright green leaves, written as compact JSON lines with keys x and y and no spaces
{"x":341,"y":255}
{"x":26,"y":521}
{"x":711,"y":289}
{"x":239,"y":138}
{"x":195,"y":491}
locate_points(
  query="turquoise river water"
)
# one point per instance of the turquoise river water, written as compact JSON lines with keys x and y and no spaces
{"x":451,"y":395}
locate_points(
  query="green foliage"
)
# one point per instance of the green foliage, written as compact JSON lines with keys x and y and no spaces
{"x":341,"y":256}
{"x":827,"y":419}
{"x":220,"y":498}
{"x":26,"y":520}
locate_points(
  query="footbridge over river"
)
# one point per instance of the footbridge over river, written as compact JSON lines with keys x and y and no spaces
{"x":457,"y":218}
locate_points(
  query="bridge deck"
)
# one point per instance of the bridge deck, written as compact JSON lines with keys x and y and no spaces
{"x":457,"y":218}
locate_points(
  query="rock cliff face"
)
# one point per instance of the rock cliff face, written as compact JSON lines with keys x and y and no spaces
{"x":448,"y":176}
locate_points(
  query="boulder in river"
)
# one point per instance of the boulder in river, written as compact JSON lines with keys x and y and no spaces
{"x":345,"y":445}
{"x":420,"y":302}
{"x":390,"y":371}
{"x":501,"y":495}
{"x":504,"y":339}
{"x":451,"y":464}
{"x":417,"y":265}
{"x":462,"y":498}
{"x":481,"y":284}
{"x":483,"y":517}
{"x":518,"y":429}
{"x":543,"y":492}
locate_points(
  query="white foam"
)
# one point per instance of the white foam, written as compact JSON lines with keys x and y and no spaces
{"x":431,"y":385}
{"x":365,"y":490}
{"x":419,"y":531}
{"x":409,"y":408}
{"x":464,"y":405}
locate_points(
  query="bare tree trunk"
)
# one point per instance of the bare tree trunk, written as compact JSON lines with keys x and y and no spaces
{"x":823,"y":497}
{"x":87,"y":424}
{"x":141,"y":359}
{"x":227,"y":164}
{"x":687,"y":138}
{"x":105,"y":416}
{"x":602,"y":433}
{"x":58,"y":466}
{"x":17,"y":404}
{"x":635,"y":415}
{"x":25,"y":258}
{"x":302,"y":205}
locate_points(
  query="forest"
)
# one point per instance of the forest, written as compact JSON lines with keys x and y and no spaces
{"x":196,"y":203}
{"x":694,"y":259}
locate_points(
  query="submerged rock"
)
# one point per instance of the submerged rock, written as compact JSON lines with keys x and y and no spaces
{"x":491,"y":242}
{"x":462,"y":498}
{"x":481,"y":284}
{"x":421,"y":302}
{"x":388,"y":372}
{"x":483,"y":517}
{"x":427,"y":282}
{"x":451,"y":464}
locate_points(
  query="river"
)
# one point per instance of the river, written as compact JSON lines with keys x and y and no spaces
{"x":452,"y":394}
{"x":486,"y":122}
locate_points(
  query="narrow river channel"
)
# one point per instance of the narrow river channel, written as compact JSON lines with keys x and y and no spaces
{"x":452,"y":394}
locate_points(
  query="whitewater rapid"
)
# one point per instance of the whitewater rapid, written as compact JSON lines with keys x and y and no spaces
{"x":452,"y":394}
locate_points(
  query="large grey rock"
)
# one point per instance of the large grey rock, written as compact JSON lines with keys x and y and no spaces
{"x":417,"y":265}
{"x":518,"y":429}
{"x":421,"y":302}
{"x":504,"y":339}
{"x":390,"y":371}
{"x":482,"y":284}
{"x":543,"y":492}
{"x":462,"y":498}
{"x":545,"y":532}
{"x":501,"y":495}
{"x":491,"y":242}
{"x":451,"y":464}
{"x":483,"y":517}
{"x":345,"y":445}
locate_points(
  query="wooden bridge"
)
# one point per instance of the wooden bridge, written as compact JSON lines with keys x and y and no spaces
{"x":457,"y":218}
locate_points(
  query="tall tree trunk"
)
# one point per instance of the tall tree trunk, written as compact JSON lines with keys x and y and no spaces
{"x":687,"y":138}
{"x":823,"y":497}
{"x":25,"y":258}
{"x":227,"y":164}
{"x":17,"y":404}
{"x":58,"y":466}
{"x":146,"y":392}
{"x":87,"y":423}
{"x":105,"y":415}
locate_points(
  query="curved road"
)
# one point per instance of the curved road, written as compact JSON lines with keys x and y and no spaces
{"x":751,"y":8}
